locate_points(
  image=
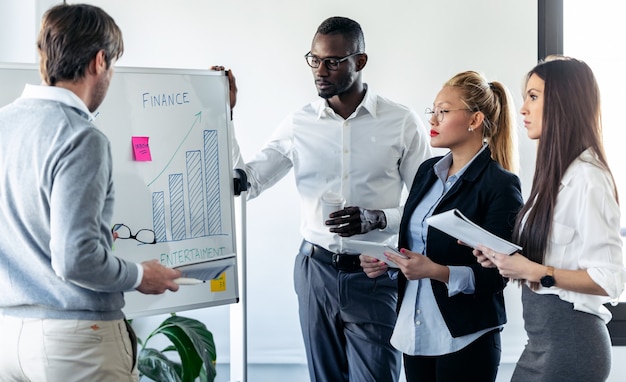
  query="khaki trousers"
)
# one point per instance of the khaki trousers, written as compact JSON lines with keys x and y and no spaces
{"x":43,"y":350}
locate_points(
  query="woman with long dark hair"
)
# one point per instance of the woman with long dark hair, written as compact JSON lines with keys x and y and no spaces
{"x":571,"y":263}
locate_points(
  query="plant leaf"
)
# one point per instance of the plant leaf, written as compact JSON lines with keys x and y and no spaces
{"x":169,"y":348}
{"x":156,"y":366}
{"x":191,"y":361}
{"x":194,"y":343}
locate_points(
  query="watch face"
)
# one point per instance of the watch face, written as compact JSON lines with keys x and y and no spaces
{"x":547,"y":281}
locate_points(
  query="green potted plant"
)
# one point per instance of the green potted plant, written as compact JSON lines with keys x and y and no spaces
{"x":195,"y":347}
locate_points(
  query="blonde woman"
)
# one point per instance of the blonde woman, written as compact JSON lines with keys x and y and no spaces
{"x":451,"y":309}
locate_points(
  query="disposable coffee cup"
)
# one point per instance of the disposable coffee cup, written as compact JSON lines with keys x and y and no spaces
{"x":331,"y":202}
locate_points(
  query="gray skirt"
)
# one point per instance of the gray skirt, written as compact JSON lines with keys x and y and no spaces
{"x":563,"y":344}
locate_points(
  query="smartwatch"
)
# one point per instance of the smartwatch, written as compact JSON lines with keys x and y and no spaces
{"x":548,"y":281}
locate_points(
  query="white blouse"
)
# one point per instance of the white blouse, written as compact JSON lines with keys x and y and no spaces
{"x":585,"y":234}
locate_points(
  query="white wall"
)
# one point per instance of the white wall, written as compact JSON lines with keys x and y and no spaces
{"x":413,"y":47}
{"x":19,"y":24}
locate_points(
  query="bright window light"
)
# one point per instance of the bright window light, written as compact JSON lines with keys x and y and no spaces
{"x":596,"y":35}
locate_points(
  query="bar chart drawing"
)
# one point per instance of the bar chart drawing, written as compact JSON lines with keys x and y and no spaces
{"x":196,"y":200}
{"x":193,"y":207}
{"x":211,"y":165}
{"x":158,"y":216}
{"x":184,"y":193}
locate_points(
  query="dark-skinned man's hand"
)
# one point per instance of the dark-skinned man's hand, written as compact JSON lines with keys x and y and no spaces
{"x":232,"y":84}
{"x":354,"y":220}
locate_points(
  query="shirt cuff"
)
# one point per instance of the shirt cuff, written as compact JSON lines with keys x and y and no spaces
{"x":393,"y":217}
{"x":139,"y":275}
{"x":461,"y":280}
{"x":393,"y":274}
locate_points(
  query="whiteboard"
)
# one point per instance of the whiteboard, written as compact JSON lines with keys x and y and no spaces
{"x":172,"y":175}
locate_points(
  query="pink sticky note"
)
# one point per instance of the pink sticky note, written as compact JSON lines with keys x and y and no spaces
{"x":141,"y":149}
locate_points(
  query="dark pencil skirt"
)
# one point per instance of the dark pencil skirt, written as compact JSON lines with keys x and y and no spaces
{"x":563,"y":344}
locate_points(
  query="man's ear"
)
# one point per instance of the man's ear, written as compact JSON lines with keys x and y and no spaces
{"x":361,"y":61}
{"x":98,"y":64}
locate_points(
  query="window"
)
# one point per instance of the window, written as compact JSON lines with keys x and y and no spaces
{"x":595,"y":34}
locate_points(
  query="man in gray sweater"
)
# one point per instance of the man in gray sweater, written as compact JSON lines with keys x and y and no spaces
{"x":61,"y":287}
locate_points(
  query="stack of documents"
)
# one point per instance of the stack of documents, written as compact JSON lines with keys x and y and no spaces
{"x":455,"y":224}
{"x":207,"y":269}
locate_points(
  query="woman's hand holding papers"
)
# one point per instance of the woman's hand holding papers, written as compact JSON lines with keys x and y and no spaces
{"x":416,"y":266}
{"x":486,"y":258}
{"x":372,"y":266}
{"x":515,"y":266}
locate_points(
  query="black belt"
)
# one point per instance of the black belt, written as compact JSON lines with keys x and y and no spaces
{"x":346,"y":262}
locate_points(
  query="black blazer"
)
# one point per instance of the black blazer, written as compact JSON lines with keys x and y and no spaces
{"x":489,"y":196}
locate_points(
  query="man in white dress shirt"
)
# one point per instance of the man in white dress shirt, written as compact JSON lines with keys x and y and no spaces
{"x":365,"y":148}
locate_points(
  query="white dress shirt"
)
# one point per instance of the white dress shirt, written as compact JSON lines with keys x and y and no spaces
{"x":585,"y":234}
{"x":367,"y":158}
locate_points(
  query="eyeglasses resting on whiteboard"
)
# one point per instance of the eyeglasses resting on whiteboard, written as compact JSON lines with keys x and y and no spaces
{"x":144,"y":236}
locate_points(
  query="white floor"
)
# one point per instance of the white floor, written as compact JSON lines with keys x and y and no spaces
{"x":298,"y":373}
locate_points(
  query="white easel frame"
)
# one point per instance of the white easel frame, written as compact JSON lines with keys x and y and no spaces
{"x":238,"y":312}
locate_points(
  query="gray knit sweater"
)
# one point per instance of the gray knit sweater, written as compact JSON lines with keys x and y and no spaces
{"x":56,"y":204}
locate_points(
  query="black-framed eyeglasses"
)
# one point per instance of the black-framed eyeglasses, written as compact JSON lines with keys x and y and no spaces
{"x":145,"y":236}
{"x":330,"y":63}
{"x":440,"y":113}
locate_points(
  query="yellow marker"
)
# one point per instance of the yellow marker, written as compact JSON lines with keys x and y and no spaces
{"x":219,"y":284}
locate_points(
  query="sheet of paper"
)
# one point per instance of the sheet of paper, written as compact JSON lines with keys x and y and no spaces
{"x":376,"y":250}
{"x":455,"y":224}
{"x":207,"y":269}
